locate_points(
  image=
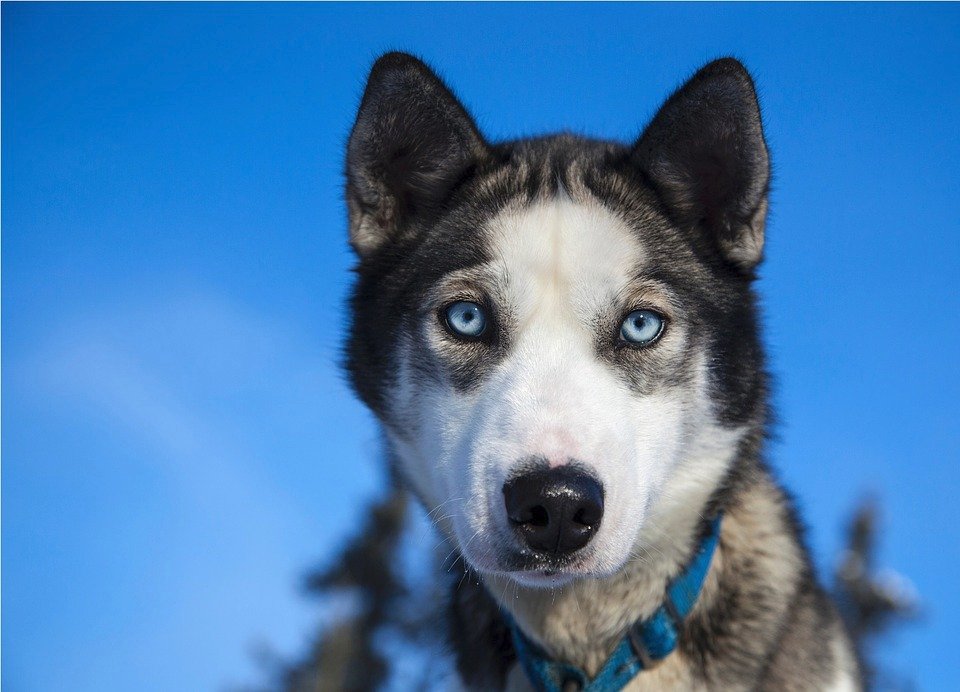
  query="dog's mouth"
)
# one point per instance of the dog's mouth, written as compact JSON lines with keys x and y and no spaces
{"x":551,"y":572}
{"x":539,"y":571}
{"x":543,"y":579}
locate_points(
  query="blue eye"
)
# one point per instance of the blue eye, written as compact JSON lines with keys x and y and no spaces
{"x":466,"y":319}
{"x":641,"y":327}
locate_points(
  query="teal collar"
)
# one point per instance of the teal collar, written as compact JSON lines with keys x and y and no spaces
{"x":645,"y":644}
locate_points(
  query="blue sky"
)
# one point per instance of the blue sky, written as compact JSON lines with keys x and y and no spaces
{"x":178,"y":442}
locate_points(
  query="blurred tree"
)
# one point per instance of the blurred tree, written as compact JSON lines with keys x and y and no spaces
{"x":872,"y":603}
{"x":344,"y":656}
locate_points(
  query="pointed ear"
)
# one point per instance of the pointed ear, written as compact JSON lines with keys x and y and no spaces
{"x":705,"y":154}
{"x":411,"y":143}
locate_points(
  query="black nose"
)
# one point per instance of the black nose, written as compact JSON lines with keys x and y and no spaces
{"x":555,"y":511}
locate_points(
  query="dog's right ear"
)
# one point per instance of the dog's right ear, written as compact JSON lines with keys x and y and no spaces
{"x":412,"y":142}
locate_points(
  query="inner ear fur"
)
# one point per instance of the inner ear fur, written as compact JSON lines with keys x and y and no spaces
{"x":705,"y":154}
{"x":411,"y":143}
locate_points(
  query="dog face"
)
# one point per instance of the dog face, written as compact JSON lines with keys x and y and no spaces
{"x":558,"y":335}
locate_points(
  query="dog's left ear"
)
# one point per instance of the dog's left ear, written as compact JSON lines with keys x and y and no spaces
{"x":706,"y":156}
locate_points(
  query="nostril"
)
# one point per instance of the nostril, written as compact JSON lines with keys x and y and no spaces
{"x":539,"y":516}
{"x":588,"y":515}
{"x":526,"y":514}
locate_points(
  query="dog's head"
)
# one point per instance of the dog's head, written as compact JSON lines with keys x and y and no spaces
{"x":558,"y":334}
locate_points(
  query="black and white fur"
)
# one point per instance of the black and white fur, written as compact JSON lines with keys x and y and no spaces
{"x":558,"y":238}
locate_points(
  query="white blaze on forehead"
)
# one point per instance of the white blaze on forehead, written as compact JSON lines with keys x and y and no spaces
{"x":562,"y":259}
{"x":560,"y":265}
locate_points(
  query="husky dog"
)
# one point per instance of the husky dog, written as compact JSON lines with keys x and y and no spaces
{"x":560,"y":339}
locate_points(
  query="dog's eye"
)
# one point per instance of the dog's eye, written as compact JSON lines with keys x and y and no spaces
{"x":466,"y":319}
{"x":642,"y":327}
